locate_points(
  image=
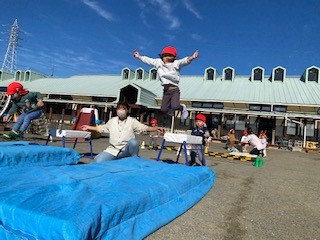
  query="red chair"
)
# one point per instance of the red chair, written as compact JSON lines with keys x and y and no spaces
{"x":84,"y":117}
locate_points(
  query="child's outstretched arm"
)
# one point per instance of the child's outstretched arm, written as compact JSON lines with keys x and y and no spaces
{"x":150,"y":61}
{"x":136,"y":54}
{"x":194,"y":56}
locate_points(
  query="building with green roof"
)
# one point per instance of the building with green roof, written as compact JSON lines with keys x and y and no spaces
{"x":283,"y":105}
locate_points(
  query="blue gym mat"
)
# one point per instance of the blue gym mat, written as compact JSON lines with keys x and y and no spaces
{"x":123,"y":199}
{"x":26,"y":154}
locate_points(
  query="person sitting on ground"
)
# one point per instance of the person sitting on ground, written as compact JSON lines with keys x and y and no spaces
{"x":199,"y":130}
{"x":122,"y":130}
{"x":27,"y":104}
{"x":255,"y":142}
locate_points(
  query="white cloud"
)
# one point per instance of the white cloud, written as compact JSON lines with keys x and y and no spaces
{"x":196,"y":36}
{"x":164,"y":10}
{"x":188,"y":5}
{"x":98,"y":9}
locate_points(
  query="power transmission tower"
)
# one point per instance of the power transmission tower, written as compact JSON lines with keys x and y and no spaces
{"x":10,"y":62}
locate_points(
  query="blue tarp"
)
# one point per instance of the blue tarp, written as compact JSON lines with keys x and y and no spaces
{"x":123,"y":199}
{"x":24,"y":153}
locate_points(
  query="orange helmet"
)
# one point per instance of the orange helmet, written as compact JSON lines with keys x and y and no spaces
{"x":16,"y":87}
{"x":154,"y":121}
{"x":169,"y":50}
{"x":201,"y":117}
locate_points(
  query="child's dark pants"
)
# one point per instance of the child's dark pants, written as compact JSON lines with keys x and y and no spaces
{"x":170,"y":100}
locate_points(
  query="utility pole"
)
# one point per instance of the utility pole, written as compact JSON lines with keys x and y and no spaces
{"x":10,"y":62}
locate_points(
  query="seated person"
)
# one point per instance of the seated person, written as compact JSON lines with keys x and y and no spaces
{"x":27,"y":104}
{"x":122,"y":130}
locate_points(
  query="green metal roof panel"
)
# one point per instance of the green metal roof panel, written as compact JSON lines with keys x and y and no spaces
{"x":292,"y":91}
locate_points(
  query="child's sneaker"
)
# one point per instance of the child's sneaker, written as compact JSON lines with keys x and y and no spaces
{"x":184,"y":112}
{"x":13,"y":135}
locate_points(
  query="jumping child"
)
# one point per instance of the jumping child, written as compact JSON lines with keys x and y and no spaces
{"x":168,"y":68}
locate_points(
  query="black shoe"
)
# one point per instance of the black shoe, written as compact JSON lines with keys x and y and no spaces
{"x":192,"y":162}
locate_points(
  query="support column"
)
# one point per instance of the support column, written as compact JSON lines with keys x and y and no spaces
{"x":273,"y":133}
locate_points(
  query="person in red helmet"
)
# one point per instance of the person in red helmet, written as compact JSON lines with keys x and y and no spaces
{"x":168,"y":68}
{"x":27,"y":104}
{"x":201,"y":130}
{"x":243,"y":142}
{"x":153,"y":135}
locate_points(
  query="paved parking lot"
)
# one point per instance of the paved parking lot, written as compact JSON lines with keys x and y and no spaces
{"x":279,"y":200}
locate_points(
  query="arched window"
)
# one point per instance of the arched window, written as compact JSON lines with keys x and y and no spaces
{"x":279,"y":74}
{"x":153,"y":74}
{"x":139,"y":74}
{"x":210,"y":74}
{"x":313,"y":74}
{"x":257,"y":74}
{"x":27,"y":76}
{"x":125,"y":74}
{"x":18,"y":75}
{"x":228,"y":74}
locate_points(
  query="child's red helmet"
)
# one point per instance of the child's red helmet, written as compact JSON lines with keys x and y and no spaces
{"x":16,"y":87}
{"x":154,"y":121}
{"x":201,"y":117}
{"x":169,"y":50}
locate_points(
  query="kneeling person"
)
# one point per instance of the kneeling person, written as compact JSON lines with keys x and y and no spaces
{"x":122,"y":130}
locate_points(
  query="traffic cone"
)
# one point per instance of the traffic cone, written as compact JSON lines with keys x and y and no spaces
{"x":143,"y":145}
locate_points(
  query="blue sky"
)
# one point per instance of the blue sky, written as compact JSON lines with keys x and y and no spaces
{"x":70,"y":37}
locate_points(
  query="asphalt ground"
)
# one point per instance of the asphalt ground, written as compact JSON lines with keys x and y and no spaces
{"x":279,"y":200}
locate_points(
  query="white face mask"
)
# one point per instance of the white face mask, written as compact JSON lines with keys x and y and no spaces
{"x":121,"y":113}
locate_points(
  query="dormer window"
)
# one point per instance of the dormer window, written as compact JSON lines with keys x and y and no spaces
{"x":279,"y":74}
{"x":18,"y":75}
{"x":228,"y":74}
{"x":27,"y":76}
{"x":125,"y":74}
{"x":257,"y":74}
{"x":313,"y":74}
{"x":153,"y":74}
{"x":139,"y":74}
{"x":210,"y":73}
